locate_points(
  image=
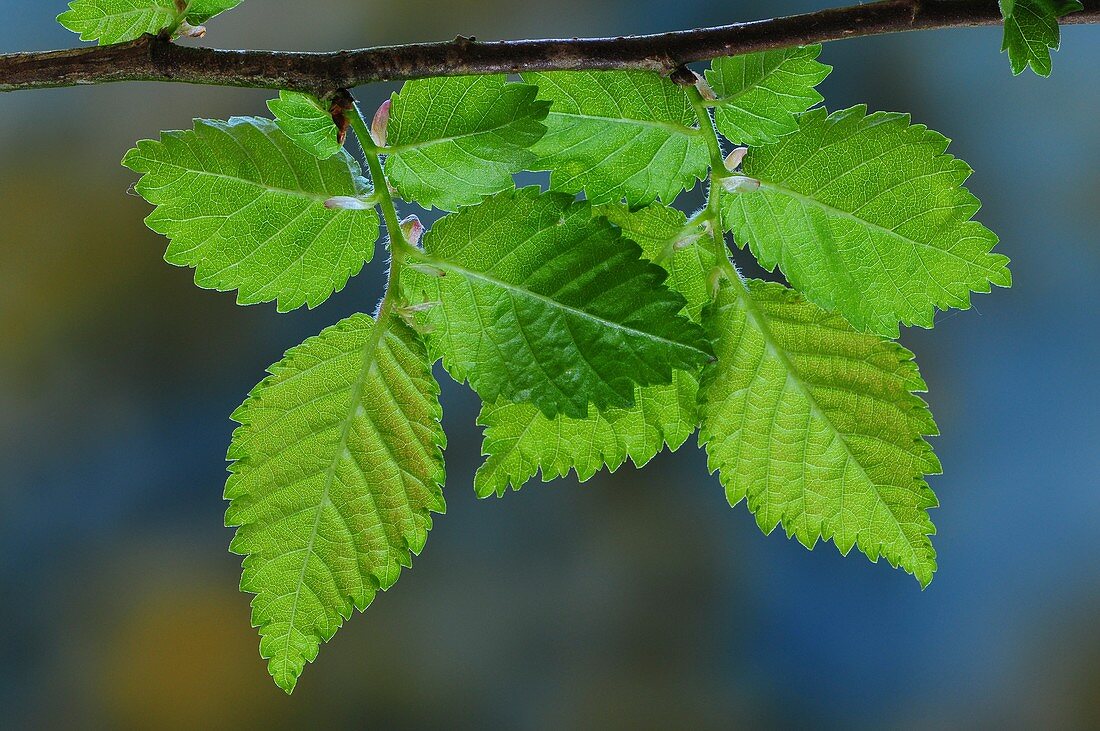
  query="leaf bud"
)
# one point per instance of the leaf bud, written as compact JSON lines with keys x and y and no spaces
{"x":347,"y":203}
{"x":186,"y":30}
{"x":381,"y":123}
{"x":736,"y":156}
{"x":704,"y":88}
{"x":740,"y":184}
{"x":412,"y":229}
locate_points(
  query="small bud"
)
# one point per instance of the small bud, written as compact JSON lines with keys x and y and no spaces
{"x":686,"y":241}
{"x":704,"y":88}
{"x":347,"y":203}
{"x":740,"y":184}
{"x":342,"y":103}
{"x":186,"y":30}
{"x":381,"y":123}
{"x":427,"y":269}
{"x":413,"y":229}
{"x":733,"y":160}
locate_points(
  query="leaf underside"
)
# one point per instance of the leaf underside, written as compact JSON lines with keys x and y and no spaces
{"x":1031,"y":32}
{"x":817,"y":426}
{"x":866,"y":215}
{"x":337,"y":466}
{"x":307,"y":122}
{"x":245,"y":207}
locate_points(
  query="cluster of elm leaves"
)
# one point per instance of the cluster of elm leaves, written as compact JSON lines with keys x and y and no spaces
{"x":596,"y":322}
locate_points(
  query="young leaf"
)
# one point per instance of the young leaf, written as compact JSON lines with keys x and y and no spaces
{"x":245,"y":207}
{"x":307,"y":122}
{"x":337,"y":466}
{"x":116,"y":21}
{"x":1031,"y":32}
{"x":619,"y":134}
{"x":455,"y":140}
{"x":866,"y":215}
{"x":520,"y":440}
{"x":818,"y":427}
{"x":760,"y":95}
{"x":541,"y":302}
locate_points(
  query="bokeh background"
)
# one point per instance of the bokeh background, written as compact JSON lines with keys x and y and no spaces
{"x":638,"y":600}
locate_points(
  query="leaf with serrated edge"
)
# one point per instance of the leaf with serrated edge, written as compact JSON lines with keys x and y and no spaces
{"x":307,"y":122}
{"x":541,"y":302}
{"x":661,"y":231}
{"x":760,"y":95}
{"x":337,"y":467}
{"x":619,"y":134}
{"x":521,"y":441}
{"x":818,"y":426}
{"x":245,"y":207}
{"x":454,"y":140}
{"x":866,"y":215}
{"x":1031,"y":32}
{"x":116,"y":21}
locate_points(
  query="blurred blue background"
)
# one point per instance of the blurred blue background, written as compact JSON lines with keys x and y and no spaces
{"x":639,"y":600}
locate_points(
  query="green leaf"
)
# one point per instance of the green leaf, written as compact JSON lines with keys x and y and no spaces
{"x":541,"y":302}
{"x":1031,"y":32}
{"x":454,"y":140}
{"x":667,"y":239}
{"x":520,"y":440}
{"x":818,"y":427}
{"x":307,"y":122}
{"x":245,"y":207}
{"x":760,"y":95}
{"x":337,"y":466}
{"x":619,"y":134}
{"x":866,"y":215}
{"x":116,"y":21}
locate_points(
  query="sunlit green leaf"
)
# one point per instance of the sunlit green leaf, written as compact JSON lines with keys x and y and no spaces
{"x":866,"y":215}
{"x":337,"y":466}
{"x":817,"y":426}
{"x":246,"y":207}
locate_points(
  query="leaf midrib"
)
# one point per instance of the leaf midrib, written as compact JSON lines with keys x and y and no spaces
{"x":369,"y":352}
{"x":652,"y":123}
{"x":319,"y":197}
{"x":446,"y":265}
{"x":409,"y":146}
{"x":841,"y":213}
{"x":729,"y":100}
{"x":745,"y":300}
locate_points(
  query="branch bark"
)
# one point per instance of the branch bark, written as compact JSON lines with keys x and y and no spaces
{"x":156,"y":59}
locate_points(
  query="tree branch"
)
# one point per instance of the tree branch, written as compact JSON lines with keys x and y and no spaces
{"x":156,"y":59}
